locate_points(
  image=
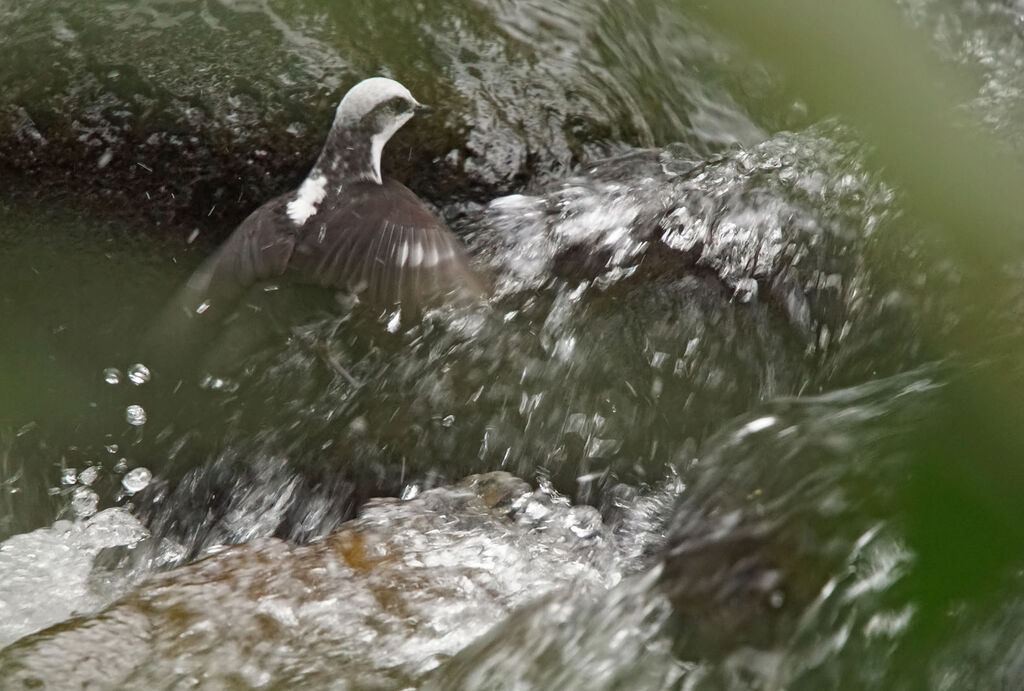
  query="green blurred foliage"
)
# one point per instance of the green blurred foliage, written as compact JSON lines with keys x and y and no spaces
{"x":861,"y":61}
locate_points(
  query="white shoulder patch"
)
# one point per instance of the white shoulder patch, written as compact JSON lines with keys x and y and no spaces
{"x":311,"y":193}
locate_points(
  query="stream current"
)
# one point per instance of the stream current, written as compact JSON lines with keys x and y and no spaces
{"x":671,"y":451}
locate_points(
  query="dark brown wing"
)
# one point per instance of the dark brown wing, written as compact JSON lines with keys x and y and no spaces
{"x":378,"y":241}
{"x":259,"y":249}
{"x":385,"y":245}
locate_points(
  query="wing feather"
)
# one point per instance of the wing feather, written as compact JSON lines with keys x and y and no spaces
{"x":378,"y":240}
{"x":257,"y":250}
{"x":387,"y":246}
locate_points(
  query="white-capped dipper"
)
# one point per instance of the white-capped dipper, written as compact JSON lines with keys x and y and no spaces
{"x":345,"y":227}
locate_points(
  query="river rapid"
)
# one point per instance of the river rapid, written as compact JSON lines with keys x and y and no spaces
{"x":697,"y":438}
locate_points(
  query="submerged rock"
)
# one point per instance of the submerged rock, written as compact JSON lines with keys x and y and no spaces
{"x":796,"y":223}
{"x":786,"y":560}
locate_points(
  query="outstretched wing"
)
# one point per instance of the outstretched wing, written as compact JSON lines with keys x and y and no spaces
{"x":257,"y":250}
{"x":387,"y":247}
{"x":377,"y":241}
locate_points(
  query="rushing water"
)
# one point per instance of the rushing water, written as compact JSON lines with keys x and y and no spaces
{"x":678,"y":448}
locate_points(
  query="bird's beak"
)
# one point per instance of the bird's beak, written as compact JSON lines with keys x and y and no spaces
{"x":420,"y":108}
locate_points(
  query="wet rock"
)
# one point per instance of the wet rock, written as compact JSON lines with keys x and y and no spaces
{"x":378,"y":603}
{"x":618,"y":640}
{"x":785,"y":563}
{"x":985,"y":38}
{"x":795,"y":223}
{"x":192,"y":116}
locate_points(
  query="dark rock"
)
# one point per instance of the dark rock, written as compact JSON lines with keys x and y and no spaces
{"x":191,"y":117}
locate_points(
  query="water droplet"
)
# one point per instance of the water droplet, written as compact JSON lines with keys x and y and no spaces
{"x":89,"y":475}
{"x":395,"y":322}
{"x":138,"y":373}
{"x":135,"y":415}
{"x":448,"y":421}
{"x":68,"y":476}
{"x":84,"y":502}
{"x":112,"y":448}
{"x":746,"y":290}
{"x":203,"y":306}
{"x":138,"y":479}
{"x":212,"y":383}
{"x":535,"y":510}
{"x":112,"y":375}
{"x":754,"y":426}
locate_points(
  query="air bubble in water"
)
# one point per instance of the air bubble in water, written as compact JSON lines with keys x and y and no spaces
{"x":138,"y":373}
{"x":135,"y":415}
{"x":111,"y":448}
{"x":112,"y":375}
{"x":448,"y":421}
{"x":68,"y":476}
{"x":138,"y":479}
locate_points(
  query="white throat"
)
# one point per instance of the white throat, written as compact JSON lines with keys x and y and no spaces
{"x":377,"y":142}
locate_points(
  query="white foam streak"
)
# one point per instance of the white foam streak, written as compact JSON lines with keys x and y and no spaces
{"x":45,"y":573}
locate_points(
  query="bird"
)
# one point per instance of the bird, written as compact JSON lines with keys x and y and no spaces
{"x":346,"y":227}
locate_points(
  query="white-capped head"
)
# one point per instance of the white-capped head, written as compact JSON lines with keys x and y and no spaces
{"x":379,"y":97}
{"x":374,"y":109}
